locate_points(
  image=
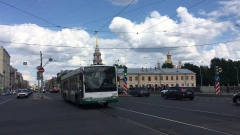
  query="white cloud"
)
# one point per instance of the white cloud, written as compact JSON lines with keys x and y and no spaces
{"x":202,"y":12}
{"x":156,"y":31}
{"x":122,"y":2}
{"x":227,"y":8}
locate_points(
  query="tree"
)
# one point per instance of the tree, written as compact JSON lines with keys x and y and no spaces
{"x":167,"y":65}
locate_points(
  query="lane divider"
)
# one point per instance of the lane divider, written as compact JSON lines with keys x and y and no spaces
{"x":175,"y":121}
{"x":6,"y":100}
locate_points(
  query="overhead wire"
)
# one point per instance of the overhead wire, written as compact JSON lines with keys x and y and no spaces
{"x":30,"y":14}
{"x":207,"y":44}
{"x":24,"y":9}
{"x":99,"y":30}
{"x":159,"y":23}
{"x":14,"y":5}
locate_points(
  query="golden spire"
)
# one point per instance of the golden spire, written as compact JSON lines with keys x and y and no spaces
{"x":168,"y":53}
{"x":96,"y":39}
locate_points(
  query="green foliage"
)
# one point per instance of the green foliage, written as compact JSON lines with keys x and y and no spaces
{"x":167,"y":65}
{"x":228,"y":76}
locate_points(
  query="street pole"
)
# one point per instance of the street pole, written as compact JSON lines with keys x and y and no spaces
{"x":237,"y":76}
{"x":41,"y":74}
{"x":200,"y":75}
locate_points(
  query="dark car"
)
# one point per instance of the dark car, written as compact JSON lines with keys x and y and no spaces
{"x":120,"y":90}
{"x":179,"y":93}
{"x":140,"y":91}
{"x":236,"y":98}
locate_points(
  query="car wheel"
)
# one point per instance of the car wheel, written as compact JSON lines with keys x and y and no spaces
{"x":165,"y":97}
{"x":191,"y":98}
{"x":147,"y":95}
{"x":17,"y":97}
{"x":138,"y":95}
{"x":162,"y":95}
{"x":238,"y":101}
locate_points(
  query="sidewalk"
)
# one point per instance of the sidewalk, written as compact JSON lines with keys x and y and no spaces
{"x":38,"y":97}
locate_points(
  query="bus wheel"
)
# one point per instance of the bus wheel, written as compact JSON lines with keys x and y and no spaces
{"x":105,"y":104}
{"x":76,"y":102}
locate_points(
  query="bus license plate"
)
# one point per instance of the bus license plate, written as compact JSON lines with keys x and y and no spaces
{"x":189,"y":92}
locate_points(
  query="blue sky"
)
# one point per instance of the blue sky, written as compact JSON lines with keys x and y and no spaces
{"x":181,"y":27}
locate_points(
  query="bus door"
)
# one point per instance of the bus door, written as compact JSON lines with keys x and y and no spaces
{"x":80,"y":86}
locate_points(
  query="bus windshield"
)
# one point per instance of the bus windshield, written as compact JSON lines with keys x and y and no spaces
{"x":99,"y":79}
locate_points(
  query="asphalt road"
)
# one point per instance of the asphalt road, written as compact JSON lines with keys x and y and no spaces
{"x":131,"y":115}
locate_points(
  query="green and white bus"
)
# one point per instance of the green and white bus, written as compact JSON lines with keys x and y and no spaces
{"x":95,"y":84}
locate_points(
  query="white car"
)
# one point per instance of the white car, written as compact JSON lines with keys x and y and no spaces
{"x":22,"y":93}
{"x":163,"y":92}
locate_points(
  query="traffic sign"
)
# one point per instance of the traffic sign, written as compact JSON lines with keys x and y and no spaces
{"x":124,"y":79}
{"x":217,"y":78}
{"x":41,"y":69}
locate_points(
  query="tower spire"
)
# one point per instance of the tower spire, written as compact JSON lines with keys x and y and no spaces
{"x":96,"y":39}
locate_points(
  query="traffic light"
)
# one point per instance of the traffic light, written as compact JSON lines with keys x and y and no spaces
{"x":218,"y":70}
{"x":125,"y":71}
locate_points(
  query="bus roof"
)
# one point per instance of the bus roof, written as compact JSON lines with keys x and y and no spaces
{"x":80,"y":70}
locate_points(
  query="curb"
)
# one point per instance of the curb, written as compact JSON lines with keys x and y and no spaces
{"x":212,"y":95}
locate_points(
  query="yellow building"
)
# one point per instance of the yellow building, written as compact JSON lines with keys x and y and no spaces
{"x":158,"y":76}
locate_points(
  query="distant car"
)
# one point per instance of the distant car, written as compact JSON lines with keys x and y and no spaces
{"x":236,"y":98}
{"x":6,"y":93}
{"x":179,"y":93}
{"x":22,"y":93}
{"x":163,"y":92}
{"x":44,"y":90}
{"x":140,"y":91}
{"x":120,"y":90}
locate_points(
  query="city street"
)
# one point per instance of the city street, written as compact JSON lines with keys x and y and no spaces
{"x":152,"y":115}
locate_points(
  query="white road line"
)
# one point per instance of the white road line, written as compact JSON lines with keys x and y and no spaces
{"x":6,"y":101}
{"x":186,"y":109}
{"x":214,"y":101}
{"x":175,"y":121}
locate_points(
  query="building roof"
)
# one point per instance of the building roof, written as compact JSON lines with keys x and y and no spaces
{"x":156,"y":71}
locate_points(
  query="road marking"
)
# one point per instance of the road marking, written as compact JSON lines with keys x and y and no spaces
{"x":186,"y":109}
{"x":136,"y":123}
{"x":175,"y":121}
{"x":214,"y":101}
{"x":6,"y":101}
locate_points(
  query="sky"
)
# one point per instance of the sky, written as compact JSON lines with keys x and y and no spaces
{"x":135,"y":33}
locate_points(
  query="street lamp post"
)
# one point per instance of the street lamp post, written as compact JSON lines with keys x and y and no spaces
{"x":4,"y":80}
{"x":200,"y":74}
{"x":237,"y":76}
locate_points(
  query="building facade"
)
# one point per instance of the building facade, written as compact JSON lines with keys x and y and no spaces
{"x":4,"y":69}
{"x":156,"y":77}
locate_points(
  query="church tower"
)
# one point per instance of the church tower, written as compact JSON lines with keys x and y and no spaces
{"x":97,"y":54}
{"x":169,"y":60}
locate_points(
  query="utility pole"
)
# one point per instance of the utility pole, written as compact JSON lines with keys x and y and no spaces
{"x":41,"y":74}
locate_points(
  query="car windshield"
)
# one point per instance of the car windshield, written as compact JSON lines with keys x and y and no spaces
{"x":22,"y":91}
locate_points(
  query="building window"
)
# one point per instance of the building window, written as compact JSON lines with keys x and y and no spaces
{"x":136,"y":78}
{"x":142,"y":78}
{"x":176,"y":77}
{"x":130,"y":79}
{"x":191,"y":77}
{"x":161,"y":78}
{"x":192,"y":84}
{"x":182,"y":84}
{"x":186,"y":77}
{"x":172,"y":85}
{"x":149,"y":78}
{"x":166,"y":77}
{"x":181,"y":77}
{"x":97,"y":57}
{"x":171,"y":77}
{"x":187,"y":84}
{"x":155,"y":78}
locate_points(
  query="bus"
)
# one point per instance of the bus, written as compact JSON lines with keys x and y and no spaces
{"x":95,"y":84}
